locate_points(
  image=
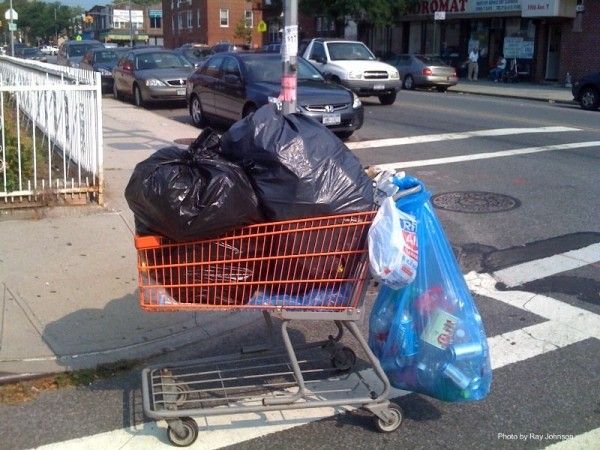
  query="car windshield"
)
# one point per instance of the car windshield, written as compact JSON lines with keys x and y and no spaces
{"x":431,"y":60}
{"x":106,"y":56}
{"x":80,"y":49}
{"x":196,"y":54}
{"x":269,"y":70}
{"x":160,"y":60}
{"x":349,"y":51}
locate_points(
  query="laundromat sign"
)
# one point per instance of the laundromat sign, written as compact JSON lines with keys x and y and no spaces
{"x":466,"y":6}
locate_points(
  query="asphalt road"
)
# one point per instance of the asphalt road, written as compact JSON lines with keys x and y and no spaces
{"x":545,"y":385}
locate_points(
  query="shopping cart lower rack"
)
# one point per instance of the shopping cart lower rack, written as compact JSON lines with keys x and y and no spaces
{"x":306,"y":269}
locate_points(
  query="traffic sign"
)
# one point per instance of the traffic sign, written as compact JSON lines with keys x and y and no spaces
{"x":78,"y":38}
{"x":12,"y":26}
{"x":11,"y":14}
{"x":262,"y":26}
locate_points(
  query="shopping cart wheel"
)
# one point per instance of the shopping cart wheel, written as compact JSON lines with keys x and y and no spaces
{"x":189,"y":435}
{"x":343,"y":359}
{"x":394,"y":423}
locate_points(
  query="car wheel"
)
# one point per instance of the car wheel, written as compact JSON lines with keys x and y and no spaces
{"x":441,"y":88}
{"x":343,"y":135}
{"x":248,"y":109}
{"x":196,"y":112}
{"x":590,"y":99}
{"x":388,"y":99}
{"x":138,"y":100}
{"x":409,"y":82}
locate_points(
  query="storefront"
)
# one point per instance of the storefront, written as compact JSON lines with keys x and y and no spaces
{"x":526,"y":32}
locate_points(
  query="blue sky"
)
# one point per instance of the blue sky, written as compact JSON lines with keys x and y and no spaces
{"x":85,"y":4}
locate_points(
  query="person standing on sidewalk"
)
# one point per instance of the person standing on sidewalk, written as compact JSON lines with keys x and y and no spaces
{"x":473,"y":68}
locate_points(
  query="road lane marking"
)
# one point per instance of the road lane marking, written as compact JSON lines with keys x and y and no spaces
{"x":583,"y":441}
{"x":488,"y":155}
{"x":545,"y":267}
{"x":454,"y":136}
{"x":565,"y":325}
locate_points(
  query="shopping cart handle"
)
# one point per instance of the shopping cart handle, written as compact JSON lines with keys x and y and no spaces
{"x":406,"y":192}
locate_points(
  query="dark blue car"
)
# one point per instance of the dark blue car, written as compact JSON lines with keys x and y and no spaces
{"x":229,"y":86}
{"x":586,"y":91}
{"x":102,"y":60}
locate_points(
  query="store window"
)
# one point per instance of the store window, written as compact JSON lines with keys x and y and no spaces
{"x":190,"y":19}
{"x":414,"y":40}
{"x":224,"y":18}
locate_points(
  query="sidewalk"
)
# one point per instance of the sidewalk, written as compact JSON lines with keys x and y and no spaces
{"x":526,"y":91}
{"x":68,"y":281}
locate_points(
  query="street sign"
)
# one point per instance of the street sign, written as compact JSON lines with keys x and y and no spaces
{"x":439,"y":15}
{"x":262,"y":26}
{"x":12,"y":26}
{"x":11,"y":14}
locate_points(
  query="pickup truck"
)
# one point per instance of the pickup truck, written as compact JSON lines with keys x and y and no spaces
{"x":353,"y":65}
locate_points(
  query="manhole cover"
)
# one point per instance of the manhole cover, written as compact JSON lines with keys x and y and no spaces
{"x":184,"y":141}
{"x":475,"y":202}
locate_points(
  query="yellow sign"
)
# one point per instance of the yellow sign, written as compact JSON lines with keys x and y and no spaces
{"x":262,"y":26}
{"x":78,"y":38}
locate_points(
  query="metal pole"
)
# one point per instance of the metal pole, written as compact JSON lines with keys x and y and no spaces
{"x":55,"y":28}
{"x":12,"y":33}
{"x":289,"y":54}
{"x":130,"y":27}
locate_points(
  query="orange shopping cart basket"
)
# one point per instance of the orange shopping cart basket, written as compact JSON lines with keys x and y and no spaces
{"x":305,"y":269}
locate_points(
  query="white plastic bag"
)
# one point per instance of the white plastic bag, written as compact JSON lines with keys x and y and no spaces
{"x":393,"y":251}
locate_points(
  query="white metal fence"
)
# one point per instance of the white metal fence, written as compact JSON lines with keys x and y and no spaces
{"x":51,"y":136}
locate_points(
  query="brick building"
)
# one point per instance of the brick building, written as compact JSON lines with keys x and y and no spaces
{"x":580,"y":43}
{"x":210,"y":21}
{"x":113,"y":24}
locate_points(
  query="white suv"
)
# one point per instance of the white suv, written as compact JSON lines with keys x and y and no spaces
{"x":353,"y":65}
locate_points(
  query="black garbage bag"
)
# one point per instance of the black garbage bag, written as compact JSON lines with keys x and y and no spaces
{"x":191,"y":194}
{"x":297,"y":166}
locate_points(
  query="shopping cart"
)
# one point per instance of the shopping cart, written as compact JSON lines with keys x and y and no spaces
{"x":306,"y":269}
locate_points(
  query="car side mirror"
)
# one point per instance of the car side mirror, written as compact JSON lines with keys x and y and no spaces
{"x":232,"y":80}
{"x":320,"y":59}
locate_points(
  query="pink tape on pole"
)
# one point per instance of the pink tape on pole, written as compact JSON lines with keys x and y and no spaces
{"x":288,"y":88}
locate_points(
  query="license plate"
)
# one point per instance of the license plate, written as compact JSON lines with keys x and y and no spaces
{"x":379,"y":87}
{"x":332,"y":119}
{"x":180,"y":91}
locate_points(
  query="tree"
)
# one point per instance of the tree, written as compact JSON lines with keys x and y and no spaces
{"x":242,"y":31}
{"x":36,"y":19}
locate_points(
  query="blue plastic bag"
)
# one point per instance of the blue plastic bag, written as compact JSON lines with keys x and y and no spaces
{"x":429,"y":336}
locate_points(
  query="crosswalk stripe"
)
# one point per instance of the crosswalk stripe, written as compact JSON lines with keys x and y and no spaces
{"x":545,"y":267}
{"x":585,"y":441}
{"x":453,"y":136}
{"x":566,"y":325}
{"x":487,"y":155}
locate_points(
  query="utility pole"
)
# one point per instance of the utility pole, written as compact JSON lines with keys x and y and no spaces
{"x":130,"y":27}
{"x":12,"y":33}
{"x":55,"y":28}
{"x":289,"y":54}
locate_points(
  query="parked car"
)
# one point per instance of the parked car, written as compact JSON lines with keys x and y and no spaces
{"x":353,"y":65}
{"x":99,"y":59}
{"x":49,"y":50}
{"x":272,"y":48}
{"x":230,"y":86}
{"x":151,"y":75}
{"x":586,"y":91}
{"x":33,"y":53}
{"x":196,"y":55}
{"x":71,"y":53}
{"x":229,"y":47}
{"x":424,"y":71}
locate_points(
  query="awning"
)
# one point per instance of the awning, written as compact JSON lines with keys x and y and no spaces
{"x":125,"y":37}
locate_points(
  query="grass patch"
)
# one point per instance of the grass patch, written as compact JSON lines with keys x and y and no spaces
{"x":24,"y":391}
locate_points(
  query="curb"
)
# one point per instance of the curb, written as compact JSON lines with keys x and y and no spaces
{"x":519,"y":97}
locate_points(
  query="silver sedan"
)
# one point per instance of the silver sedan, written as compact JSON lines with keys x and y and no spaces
{"x":151,"y":75}
{"x":424,"y":71}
